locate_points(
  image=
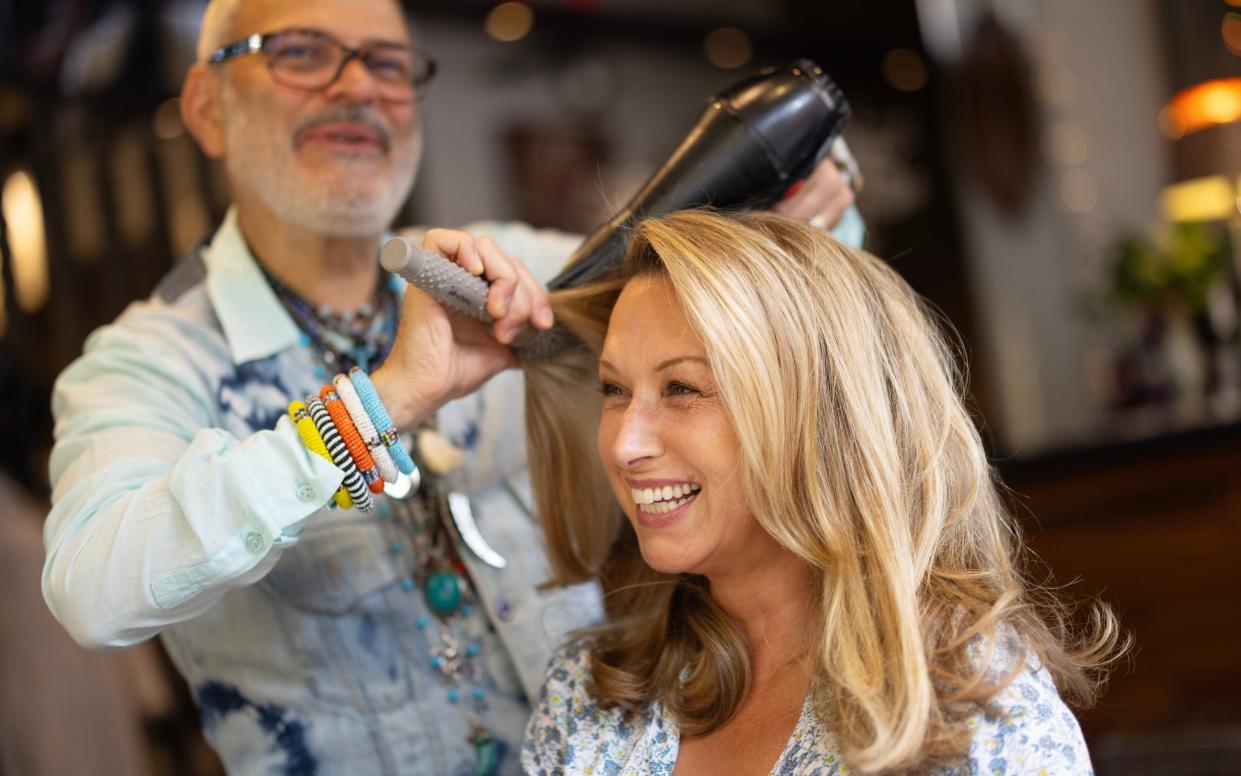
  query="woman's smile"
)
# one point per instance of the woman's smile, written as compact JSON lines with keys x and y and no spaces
{"x":660,"y":502}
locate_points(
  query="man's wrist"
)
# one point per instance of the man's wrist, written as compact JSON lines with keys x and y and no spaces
{"x":403,"y":405}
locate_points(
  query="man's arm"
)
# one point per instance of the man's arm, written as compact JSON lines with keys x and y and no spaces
{"x":156,"y":514}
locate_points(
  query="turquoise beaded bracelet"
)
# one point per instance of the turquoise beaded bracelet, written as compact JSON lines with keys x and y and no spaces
{"x":382,"y":420}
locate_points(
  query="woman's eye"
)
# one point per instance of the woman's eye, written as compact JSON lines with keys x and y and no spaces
{"x":610,"y":389}
{"x":680,"y":389}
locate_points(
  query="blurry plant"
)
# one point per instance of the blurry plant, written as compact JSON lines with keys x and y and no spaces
{"x":1175,"y":272}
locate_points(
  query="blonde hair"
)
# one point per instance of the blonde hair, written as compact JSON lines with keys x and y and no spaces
{"x":858,"y":456}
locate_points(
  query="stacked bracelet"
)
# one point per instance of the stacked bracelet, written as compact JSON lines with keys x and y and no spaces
{"x":340,"y":455}
{"x":353,"y":441}
{"x":380,"y":419}
{"x":348,"y":425}
{"x":314,"y":443}
{"x":366,"y":428}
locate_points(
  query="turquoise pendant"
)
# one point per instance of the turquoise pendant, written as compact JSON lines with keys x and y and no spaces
{"x":486,"y":750}
{"x":488,"y":762}
{"x":444,"y":592}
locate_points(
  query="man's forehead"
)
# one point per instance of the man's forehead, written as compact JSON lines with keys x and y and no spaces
{"x":353,"y":21}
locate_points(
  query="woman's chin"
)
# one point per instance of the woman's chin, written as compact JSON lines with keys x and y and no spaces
{"x":667,"y":555}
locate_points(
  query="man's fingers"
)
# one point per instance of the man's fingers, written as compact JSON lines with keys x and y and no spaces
{"x":540,"y":308}
{"x":458,"y":246}
{"x":514,"y":299}
{"x":822,"y":199}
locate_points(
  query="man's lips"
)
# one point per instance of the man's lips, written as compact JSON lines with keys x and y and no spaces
{"x":344,"y":134}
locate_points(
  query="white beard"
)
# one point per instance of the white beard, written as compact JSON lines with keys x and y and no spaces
{"x":348,"y":204}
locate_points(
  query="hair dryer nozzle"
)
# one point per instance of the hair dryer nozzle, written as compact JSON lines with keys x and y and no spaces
{"x":751,"y":143}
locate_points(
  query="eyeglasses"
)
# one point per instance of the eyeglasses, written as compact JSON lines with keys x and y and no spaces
{"x":313,"y":60}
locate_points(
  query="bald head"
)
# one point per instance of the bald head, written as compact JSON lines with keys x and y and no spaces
{"x":223,"y":20}
{"x":218,"y":27}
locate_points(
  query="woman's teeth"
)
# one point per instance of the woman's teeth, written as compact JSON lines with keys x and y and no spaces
{"x":664,"y":499}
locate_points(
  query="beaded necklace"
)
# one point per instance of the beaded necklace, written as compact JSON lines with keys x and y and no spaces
{"x":444,"y":582}
{"x":343,"y":340}
{"x":363,"y":338}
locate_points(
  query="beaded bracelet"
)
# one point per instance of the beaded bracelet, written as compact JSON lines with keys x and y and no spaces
{"x":353,"y":441}
{"x":366,"y":428}
{"x":380,"y":418}
{"x":340,"y":455}
{"x":314,"y":443}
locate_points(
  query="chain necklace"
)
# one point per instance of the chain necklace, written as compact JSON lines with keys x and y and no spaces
{"x":363,"y":338}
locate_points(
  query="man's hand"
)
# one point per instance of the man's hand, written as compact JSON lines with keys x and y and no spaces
{"x":441,"y":355}
{"x":821,"y":199}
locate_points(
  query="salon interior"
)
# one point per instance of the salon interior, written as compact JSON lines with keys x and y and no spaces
{"x":1059,"y":178}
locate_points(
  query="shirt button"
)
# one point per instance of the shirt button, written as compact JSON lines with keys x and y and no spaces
{"x":504,"y":610}
{"x":254,"y":542}
{"x":305,"y":493}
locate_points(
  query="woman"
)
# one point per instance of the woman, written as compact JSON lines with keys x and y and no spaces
{"x":810,"y":569}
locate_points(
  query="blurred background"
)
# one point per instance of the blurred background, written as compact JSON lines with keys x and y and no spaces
{"x":1059,"y":177}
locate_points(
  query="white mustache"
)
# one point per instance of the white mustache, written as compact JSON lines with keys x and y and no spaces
{"x":351,"y":115}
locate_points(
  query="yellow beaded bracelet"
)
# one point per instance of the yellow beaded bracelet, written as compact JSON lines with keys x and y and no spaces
{"x":314,"y":443}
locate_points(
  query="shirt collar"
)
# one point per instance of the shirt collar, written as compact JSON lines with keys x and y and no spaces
{"x":255,"y":324}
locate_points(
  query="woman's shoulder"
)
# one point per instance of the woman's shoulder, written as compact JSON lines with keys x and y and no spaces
{"x":1027,"y":727}
{"x":568,"y":672}
{"x":569,"y":731}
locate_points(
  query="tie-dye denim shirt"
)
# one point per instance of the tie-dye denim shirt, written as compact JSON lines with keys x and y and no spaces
{"x":185,"y":505}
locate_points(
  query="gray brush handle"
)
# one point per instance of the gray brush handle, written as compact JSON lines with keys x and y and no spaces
{"x":452,"y":286}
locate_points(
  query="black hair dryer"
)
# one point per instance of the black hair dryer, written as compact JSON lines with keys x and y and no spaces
{"x":752,"y":142}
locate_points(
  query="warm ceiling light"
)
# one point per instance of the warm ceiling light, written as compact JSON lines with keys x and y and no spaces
{"x":727,"y":48}
{"x":1205,"y":105}
{"x":1078,"y":190}
{"x":509,"y":22}
{"x":23,"y":214}
{"x":904,"y":70}
{"x":1202,"y":199}
{"x":1230,"y":30}
{"x":167,"y":120}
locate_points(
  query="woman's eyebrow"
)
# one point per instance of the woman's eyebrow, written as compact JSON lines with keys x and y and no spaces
{"x":679,"y":359}
{"x":605,"y":364}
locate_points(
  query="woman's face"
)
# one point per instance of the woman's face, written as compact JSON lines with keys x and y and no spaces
{"x":666,"y":440}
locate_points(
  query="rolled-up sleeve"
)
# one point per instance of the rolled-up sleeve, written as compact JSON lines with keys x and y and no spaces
{"x":156,"y":512}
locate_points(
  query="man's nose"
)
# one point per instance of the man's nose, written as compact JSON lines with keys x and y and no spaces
{"x":355,"y":82}
{"x":639,"y":435}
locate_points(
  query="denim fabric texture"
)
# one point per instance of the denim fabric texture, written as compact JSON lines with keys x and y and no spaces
{"x":186,"y":506}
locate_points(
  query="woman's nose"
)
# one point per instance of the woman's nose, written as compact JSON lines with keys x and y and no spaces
{"x":638,"y":435}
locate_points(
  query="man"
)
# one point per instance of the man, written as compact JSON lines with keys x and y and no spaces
{"x":185,"y":504}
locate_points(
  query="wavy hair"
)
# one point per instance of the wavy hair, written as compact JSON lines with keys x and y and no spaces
{"x":858,"y":455}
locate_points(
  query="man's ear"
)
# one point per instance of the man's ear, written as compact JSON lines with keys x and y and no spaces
{"x":201,"y":111}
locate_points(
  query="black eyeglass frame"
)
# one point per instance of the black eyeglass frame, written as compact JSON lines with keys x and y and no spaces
{"x":253,"y":44}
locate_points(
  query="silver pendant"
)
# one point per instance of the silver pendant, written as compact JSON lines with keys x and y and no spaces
{"x":405,"y":486}
{"x":448,"y":657}
{"x":463,"y":519}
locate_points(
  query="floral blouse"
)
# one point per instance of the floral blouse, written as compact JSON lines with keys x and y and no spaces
{"x":570,"y":734}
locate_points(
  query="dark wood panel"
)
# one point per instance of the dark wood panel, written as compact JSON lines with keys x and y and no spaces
{"x":1155,"y":529}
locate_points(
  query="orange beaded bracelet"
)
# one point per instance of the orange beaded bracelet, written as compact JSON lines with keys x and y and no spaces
{"x":353,"y":440}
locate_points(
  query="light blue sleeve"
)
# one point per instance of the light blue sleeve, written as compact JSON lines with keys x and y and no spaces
{"x":851,"y":230}
{"x":157,"y":514}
